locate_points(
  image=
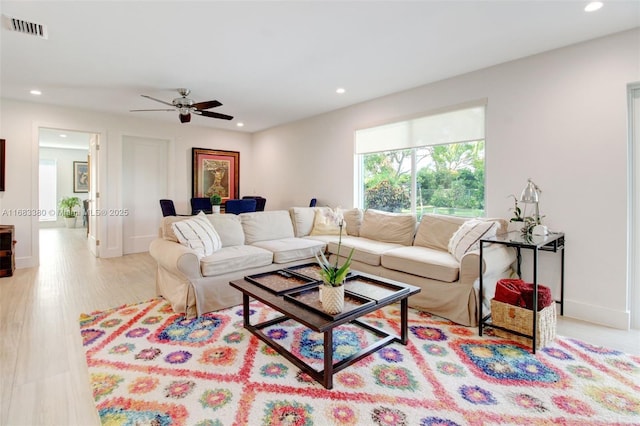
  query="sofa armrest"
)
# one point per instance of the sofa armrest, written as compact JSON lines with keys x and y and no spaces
{"x":496,"y":258}
{"x":175,"y":258}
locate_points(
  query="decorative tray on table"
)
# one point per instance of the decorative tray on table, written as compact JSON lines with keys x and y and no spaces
{"x":310,"y":299}
{"x":371,"y":288}
{"x":281,"y":281}
{"x":311,"y":270}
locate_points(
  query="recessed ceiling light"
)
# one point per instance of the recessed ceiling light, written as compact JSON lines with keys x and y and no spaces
{"x":340,"y":90}
{"x":35,"y":92}
{"x":240,"y":124}
{"x":593,"y":6}
{"x":62,"y":135}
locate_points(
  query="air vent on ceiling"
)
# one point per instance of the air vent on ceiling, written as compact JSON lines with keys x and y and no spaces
{"x":25,"y":27}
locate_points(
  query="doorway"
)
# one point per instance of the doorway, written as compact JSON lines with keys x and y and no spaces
{"x":63,"y":173}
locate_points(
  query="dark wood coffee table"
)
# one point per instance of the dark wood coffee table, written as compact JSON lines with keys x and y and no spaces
{"x":381,"y":291}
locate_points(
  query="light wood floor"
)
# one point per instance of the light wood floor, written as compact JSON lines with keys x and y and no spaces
{"x":43,"y":374}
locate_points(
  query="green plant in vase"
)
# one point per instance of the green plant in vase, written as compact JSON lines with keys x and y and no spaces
{"x":517,"y":212}
{"x":215,"y":203}
{"x":67,"y":207}
{"x":333,"y":276}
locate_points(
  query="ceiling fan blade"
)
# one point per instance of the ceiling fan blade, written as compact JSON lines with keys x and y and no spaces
{"x":213,"y":115}
{"x":157,"y":100}
{"x":137,"y":110}
{"x":185,"y":118}
{"x":206,"y":105}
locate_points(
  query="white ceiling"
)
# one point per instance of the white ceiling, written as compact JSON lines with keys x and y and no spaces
{"x":271,"y":63}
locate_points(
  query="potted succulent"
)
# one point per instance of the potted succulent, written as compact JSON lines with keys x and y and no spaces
{"x":215,"y":203}
{"x":68,"y":210}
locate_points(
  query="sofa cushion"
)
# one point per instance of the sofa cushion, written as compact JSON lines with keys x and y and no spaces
{"x":234,"y":258}
{"x":423,"y":262}
{"x":229,"y":228}
{"x":197,"y":234}
{"x":398,"y":228}
{"x":302,"y":219}
{"x":326,"y":222}
{"x":436,"y":230}
{"x":467,"y":237}
{"x":291,"y":249}
{"x":353,"y":221}
{"x":365,"y":250}
{"x":267,"y":225}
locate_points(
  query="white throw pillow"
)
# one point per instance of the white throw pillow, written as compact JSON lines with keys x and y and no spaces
{"x":468,"y":236}
{"x":326,"y":222}
{"x":198,"y":234}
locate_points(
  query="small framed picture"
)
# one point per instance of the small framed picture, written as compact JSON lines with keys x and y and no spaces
{"x":80,"y":176}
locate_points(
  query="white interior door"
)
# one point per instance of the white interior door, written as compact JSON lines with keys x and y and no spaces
{"x":93,"y":238}
{"x":145,"y":171}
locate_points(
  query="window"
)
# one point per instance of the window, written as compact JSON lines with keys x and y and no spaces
{"x":432,"y":164}
{"x":48,"y":193}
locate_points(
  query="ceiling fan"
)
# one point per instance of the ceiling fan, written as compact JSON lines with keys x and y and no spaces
{"x":186,"y":106}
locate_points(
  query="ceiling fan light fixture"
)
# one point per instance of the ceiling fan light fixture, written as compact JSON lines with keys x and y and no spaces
{"x":186,"y":107}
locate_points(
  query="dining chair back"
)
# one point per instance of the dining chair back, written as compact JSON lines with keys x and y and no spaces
{"x":240,"y":206}
{"x":200,"y":204}
{"x":260,"y":201}
{"x":168,"y":209}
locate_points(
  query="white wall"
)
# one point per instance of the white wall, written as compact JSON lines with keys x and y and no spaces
{"x":19,"y":123}
{"x":558,"y":117}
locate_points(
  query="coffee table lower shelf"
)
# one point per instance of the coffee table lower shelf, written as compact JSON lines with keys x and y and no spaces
{"x":325,"y":376}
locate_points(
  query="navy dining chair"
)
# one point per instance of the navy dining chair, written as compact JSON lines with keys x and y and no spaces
{"x":201,"y":204}
{"x":240,"y":206}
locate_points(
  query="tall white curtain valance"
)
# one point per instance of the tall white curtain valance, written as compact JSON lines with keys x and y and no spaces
{"x":458,"y":126}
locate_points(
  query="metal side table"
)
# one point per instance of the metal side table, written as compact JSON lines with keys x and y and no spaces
{"x":553,"y":242}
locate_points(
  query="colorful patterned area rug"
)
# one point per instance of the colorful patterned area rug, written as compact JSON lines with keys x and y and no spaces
{"x":150,"y":366}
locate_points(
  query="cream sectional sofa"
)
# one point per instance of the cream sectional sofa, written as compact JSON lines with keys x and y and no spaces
{"x":389,"y":245}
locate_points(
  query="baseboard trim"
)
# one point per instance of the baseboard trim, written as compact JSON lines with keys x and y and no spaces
{"x":598,"y":314}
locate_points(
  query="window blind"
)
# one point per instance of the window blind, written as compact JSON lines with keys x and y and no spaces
{"x":457,"y":126}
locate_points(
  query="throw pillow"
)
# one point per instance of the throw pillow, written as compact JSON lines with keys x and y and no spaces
{"x":468,"y":236}
{"x":326,"y":222}
{"x":198,"y":234}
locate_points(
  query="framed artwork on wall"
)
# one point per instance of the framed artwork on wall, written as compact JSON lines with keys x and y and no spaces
{"x":215,"y":172}
{"x":80,"y":176}
{"x":2,"y":165}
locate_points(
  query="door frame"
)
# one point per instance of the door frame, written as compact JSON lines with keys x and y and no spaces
{"x":633,"y":205}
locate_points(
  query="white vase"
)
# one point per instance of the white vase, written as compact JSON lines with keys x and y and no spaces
{"x":70,"y":222}
{"x":215,"y":209}
{"x":515,"y":226}
{"x":332,"y":299}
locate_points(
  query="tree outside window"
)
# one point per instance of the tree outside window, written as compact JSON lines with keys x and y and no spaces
{"x":449,"y":179}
